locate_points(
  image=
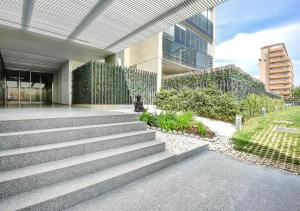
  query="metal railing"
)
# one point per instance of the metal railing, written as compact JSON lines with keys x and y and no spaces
{"x":181,"y":54}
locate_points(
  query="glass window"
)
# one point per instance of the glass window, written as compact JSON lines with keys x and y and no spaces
{"x":24,"y":86}
{"x":193,"y":41}
{"x":35,"y":87}
{"x":182,"y":36}
{"x":177,"y":33}
{"x":188,"y":38}
{"x":12,"y":83}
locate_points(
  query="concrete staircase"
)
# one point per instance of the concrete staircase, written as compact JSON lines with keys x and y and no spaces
{"x":56,"y":163}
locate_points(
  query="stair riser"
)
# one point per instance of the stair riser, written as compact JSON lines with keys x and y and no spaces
{"x":48,"y":137}
{"x":37,"y":124}
{"x":17,"y":186}
{"x":80,"y":196}
{"x":27,"y":159}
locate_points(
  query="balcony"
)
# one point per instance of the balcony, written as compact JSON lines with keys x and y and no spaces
{"x":279,"y":59}
{"x":202,"y":24}
{"x":282,"y":87}
{"x":274,"y":50}
{"x":280,"y":71}
{"x":283,"y":81}
{"x":274,"y":55}
{"x":280,"y":65}
{"x":279,"y":76}
{"x":183,"y":55}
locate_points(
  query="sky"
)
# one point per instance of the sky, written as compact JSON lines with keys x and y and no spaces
{"x":244,"y":26}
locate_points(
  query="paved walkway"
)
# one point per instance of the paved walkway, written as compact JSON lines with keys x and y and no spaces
{"x":209,"y":181}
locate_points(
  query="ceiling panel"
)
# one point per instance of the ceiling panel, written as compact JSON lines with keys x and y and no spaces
{"x":24,"y":61}
{"x":106,"y":24}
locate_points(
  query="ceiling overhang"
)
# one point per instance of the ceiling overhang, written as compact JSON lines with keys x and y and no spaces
{"x":112,"y":25}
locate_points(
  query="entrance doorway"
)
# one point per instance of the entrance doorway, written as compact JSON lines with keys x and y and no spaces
{"x":28,"y":87}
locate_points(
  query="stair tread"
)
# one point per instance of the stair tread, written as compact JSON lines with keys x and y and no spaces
{"x":9,"y":152}
{"x":59,"y":189}
{"x":64,"y":128}
{"x":55,"y":165}
{"x":106,"y":114}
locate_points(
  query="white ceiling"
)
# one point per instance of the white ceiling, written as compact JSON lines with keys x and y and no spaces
{"x":112,"y":25}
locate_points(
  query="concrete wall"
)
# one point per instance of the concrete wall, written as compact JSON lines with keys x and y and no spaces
{"x":62,"y":83}
{"x":263,"y":67}
{"x":146,"y":55}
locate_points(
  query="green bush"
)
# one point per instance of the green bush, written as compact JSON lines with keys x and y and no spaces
{"x":252,"y":105}
{"x":149,"y":118}
{"x":215,"y":104}
{"x":201,"y":128}
{"x":167,"y":120}
{"x":206,"y":102}
{"x":184,"y":120}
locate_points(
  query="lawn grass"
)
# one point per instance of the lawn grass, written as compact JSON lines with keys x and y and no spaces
{"x":259,"y":137}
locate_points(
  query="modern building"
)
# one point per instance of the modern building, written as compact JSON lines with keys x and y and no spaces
{"x":183,"y":47}
{"x":276,"y":69}
{"x":42,"y":42}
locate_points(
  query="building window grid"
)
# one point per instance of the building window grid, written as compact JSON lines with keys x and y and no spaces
{"x":202,"y":23}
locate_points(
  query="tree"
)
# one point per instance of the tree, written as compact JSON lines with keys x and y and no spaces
{"x":296,"y":93}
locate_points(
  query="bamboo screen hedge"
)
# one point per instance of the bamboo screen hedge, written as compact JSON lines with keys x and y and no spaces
{"x":228,"y":79}
{"x":101,"y":83}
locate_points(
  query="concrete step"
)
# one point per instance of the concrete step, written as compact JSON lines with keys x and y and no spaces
{"x":21,"y":157}
{"x":14,"y":140}
{"x":60,"y":196}
{"x":26,"y":179}
{"x":59,"y":122}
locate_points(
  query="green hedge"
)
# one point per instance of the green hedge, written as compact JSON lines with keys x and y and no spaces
{"x":252,"y":105}
{"x":228,"y":79}
{"x":205,"y":102}
{"x":214,"y":103}
{"x":101,"y":83}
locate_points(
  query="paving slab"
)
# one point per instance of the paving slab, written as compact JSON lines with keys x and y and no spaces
{"x":208,"y":181}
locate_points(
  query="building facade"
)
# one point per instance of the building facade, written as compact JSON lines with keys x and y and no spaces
{"x":276,"y":69}
{"x":184,"y":47}
{"x":42,"y":42}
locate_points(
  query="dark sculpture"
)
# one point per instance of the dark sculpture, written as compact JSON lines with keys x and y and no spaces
{"x":138,"y":104}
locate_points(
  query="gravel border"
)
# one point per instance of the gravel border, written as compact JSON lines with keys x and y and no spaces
{"x":177,"y":143}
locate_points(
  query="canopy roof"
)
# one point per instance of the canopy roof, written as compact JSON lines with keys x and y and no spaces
{"x":112,"y":25}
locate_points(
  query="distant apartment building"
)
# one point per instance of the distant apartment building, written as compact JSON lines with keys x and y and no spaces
{"x":276,"y":69}
{"x":184,"y":47}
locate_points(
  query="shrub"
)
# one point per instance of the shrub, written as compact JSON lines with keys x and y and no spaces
{"x":215,"y":104}
{"x":252,"y":105}
{"x":149,"y":118}
{"x":184,"y":120}
{"x":167,"y":120}
{"x":201,"y":128}
{"x":206,"y":102}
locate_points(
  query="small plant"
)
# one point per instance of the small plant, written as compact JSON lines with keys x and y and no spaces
{"x":184,"y":120}
{"x":201,"y":128}
{"x":167,"y":121}
{"x":149,"y":118}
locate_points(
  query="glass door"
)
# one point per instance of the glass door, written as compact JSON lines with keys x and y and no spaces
{"x":36,"y":87}
{"x":24,"y":86}
{"x":12,"y":86}
{"x":46,"y":85}
{"x":28,"y":87}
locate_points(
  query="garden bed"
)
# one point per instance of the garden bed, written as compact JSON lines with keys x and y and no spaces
{"x":177,"y":123}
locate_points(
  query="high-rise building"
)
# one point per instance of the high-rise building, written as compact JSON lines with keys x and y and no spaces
{"x":276,"y":69}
